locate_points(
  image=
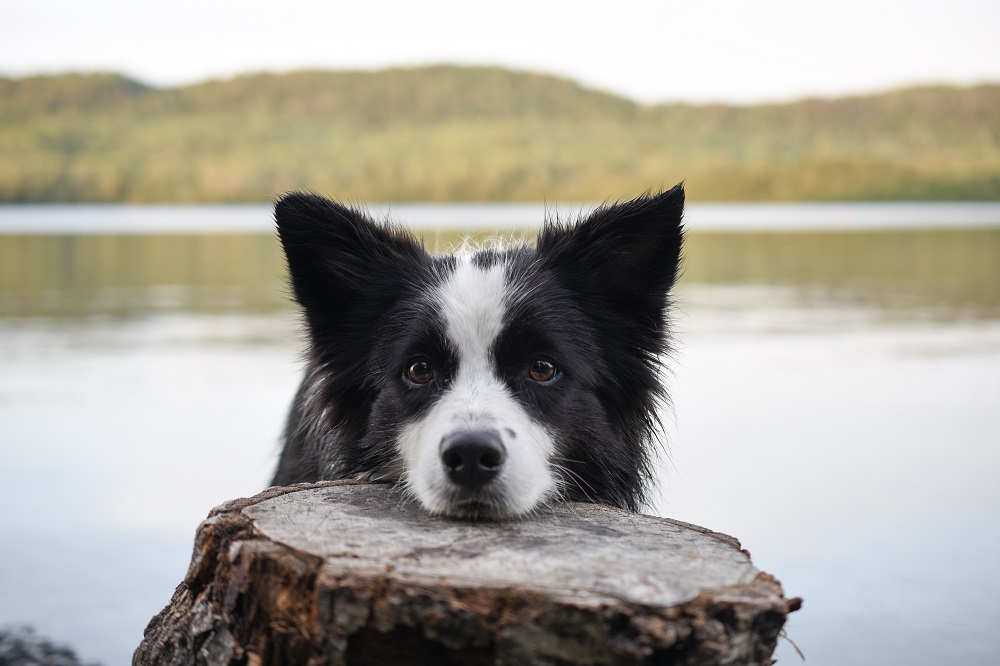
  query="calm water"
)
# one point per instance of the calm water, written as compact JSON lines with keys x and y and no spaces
{"x":836,"y":407}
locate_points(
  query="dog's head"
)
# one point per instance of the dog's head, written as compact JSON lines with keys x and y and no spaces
{"x":492,"y":381}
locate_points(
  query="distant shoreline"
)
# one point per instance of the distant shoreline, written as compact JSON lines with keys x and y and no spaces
{"x":467,"y":134}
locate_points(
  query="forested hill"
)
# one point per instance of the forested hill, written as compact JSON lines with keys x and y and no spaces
{"x":479,"y":134}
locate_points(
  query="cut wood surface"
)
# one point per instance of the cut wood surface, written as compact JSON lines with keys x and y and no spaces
{"x":354,"y":573}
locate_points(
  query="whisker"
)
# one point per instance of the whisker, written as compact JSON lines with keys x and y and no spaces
{"x":582,"y":485}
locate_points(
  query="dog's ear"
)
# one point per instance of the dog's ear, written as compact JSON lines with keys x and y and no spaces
{"x":346,"y":270}
{"x":625,"y":254}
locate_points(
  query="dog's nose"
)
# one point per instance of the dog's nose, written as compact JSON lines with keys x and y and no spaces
{"x":472,"y":459}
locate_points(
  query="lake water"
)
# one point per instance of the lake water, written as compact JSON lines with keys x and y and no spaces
{"x":836,"y":407}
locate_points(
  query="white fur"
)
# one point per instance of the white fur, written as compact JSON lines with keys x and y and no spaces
{"x":473,"y":301}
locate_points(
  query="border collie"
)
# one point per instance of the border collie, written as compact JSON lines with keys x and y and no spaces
{"x":487,"y":382}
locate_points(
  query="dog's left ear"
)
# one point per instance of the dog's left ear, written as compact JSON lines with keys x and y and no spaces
{"x":626,"y":254}
{"x":346,"y":269}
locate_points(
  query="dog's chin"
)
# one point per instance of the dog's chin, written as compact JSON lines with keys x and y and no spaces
{"x":478,"y":505}
{"x":473,"y":510}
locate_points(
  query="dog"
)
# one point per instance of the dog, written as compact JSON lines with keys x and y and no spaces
{"x":487,"y":382}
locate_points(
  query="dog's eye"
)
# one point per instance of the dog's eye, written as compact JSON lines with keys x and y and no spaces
{"x":420,"y":372}
{"x":542,"y":370}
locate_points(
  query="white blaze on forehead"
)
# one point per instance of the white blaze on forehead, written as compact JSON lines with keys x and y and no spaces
{"x":473,"y":305}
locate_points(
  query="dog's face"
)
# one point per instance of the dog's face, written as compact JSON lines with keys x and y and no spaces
{"x":492,"y":381}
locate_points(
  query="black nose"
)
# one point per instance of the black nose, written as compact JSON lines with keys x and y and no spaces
{"x":472,"y":459}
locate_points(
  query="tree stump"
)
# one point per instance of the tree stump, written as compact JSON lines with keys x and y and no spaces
{"x":355,"y":573}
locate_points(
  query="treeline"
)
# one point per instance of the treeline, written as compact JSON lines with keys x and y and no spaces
{"x":479,"y":134}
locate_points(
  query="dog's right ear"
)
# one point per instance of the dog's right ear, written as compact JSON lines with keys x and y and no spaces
{"x":346,"y":269}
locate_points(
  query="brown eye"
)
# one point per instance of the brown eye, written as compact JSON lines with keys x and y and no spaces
{"x":541,"y":370}
{"x":420,"y":372}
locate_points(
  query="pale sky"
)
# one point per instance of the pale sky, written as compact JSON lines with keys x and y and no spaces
{"x":694,"y":50}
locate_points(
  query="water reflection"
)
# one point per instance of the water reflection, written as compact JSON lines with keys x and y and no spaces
{"x":943,"y":274}
{"x":70,"y":276}
{"x":937,"y":274}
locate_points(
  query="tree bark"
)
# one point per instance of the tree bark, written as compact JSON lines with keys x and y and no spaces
{"x":355,"y":573}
